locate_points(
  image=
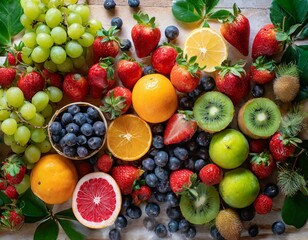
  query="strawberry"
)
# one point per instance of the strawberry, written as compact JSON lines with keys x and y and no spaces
{"x":232,"y":81}
{"x":14,"y":169}
{"x":116,"y":102}
{"x":211,"y":174}
{"x":3,"y":184}
{"x":257,"y":145}
{"x":106,"y":44}
{"x":129,"y":71}
{"x":101,"y":77}
{"x":83,"y":168}
{"x":262,"y":165}
{"x":11,"y":59}
{"x":282,"y":147}
{"x":263,"y":204}
{"x":7,"y":76}
{"x":11,"y":192}
{"x":164,"y":58}
{"x":14,"y":55}
{"x":53,"y":79}
{"x":30,"y":83}
{"x":180,"y":180}
{"x":180,"y":127}
{"x":145,"y":34}
{"x":185,"y":74}
{"x":262,"y":70}
{"x":236,"y":30}
{"x":75,"y":86}
{"x":104,"y":163}
{"x":141,"y":194}
{"x":125,"y":176}
{"x":12,"y":218}
{"x":265,"y":42}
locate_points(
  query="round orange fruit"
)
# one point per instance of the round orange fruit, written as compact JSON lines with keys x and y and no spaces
{"x":53,"y":179}
{"x":154,"y":98}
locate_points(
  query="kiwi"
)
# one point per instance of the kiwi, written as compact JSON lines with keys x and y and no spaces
{"x":286,"y":88}
{"x":229,"y":224}
{"x":200,"y":205}
{"x":259,"y":118}
{"x":213,"y":111}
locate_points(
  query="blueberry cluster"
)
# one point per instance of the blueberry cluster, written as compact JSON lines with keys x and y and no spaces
{"x":78,"y":131}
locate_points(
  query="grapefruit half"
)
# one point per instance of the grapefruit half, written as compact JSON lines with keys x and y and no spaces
{"x":96,"y":200}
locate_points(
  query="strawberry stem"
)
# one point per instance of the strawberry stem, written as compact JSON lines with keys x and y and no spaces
{"x":144,"y":19}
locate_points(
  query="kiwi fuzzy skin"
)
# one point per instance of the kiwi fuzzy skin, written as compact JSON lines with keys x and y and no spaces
{"x":286,"y":88}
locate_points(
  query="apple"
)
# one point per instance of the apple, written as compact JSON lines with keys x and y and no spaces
{"x":229,"y":148}
{"x":239,"y":188}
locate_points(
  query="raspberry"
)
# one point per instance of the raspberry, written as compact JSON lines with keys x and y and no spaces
{"x":263,"y":204}
{"x":104,"y":163}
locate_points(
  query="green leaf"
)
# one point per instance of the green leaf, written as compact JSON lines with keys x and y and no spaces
{"x":302,"y":160}
{"x":185,"y":11}
{"x":294,"y":210}
{"x":5,"y":37}
{"x":304,"y":33}
{"x":298,"y":9}
{"x":66,"y":214}
{"x":289,"y":55}
{"x":4,"y":198}
{"x":293,"y":28}
{"x":199,"y":6}
{"x":220,"y":14}
{"x":281,"y":36}
{"x":278,"y":16}
{"x":71,"y":230}
{"x":210,"y":4}
{"x":10,"y":12}
{"x":47,"y":230}
{"x":302,"y":63}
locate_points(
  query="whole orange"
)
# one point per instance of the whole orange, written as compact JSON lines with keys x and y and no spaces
{"x":53,"y":179}
{"x":154,"y":98}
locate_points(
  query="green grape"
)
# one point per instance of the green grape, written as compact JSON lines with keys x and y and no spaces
{"x":74,"y":18}
{"x":41,"y":18}
{"x":26,"y":51}
{"x":38,"y":135}
{"x":42,"y":28}
{"x":9,"y":126}
{"x":53,"y":17}
{"x":57,"y":54}
{"x":27,"y":111}
{"x":55,"y":3}
{"x":3,"y":101}
{"x":93,"y":26}
{"x":29,"y":39}
{"x":72,"y":7}
{"x":32,"y":154}
{"x":38,"y":120}
{"x":4,"y":111}
{"x":44,"y":146}
{"x":58,"y":35}
{"x":26,"y":59}
{"x":14,"y":115}
{"x":50,"y":66}
{"x":23,"y":3}
{"x":47,"y":111}
{"x":15,"y":97}
{"x":45,"y":1}
{"x":26,"y":22}
{"x":83,"y":11}
{"x":2,"y":92}
{"x":66,"y":66}
{"x":22,"y":135}
{"x":55,"y":94}
{"x":16,"y":148}
{"x":8,"y":139}
{"x":24,"y":185}
{"x":70,"y":2}
{"x":31,"y":10}
{"x":44,"y":40}
{"x":42,"y":7}
{"x":40,"y":100}
{"x":40,"y":54}
{"x":73,"y":49}
{"x":75,"y":30}
{"x":79,"y":62}
{"x":30,"y":166}
{"x":86,"y":39}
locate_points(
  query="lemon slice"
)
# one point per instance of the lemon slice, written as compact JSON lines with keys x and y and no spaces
{"x":208,"y":46}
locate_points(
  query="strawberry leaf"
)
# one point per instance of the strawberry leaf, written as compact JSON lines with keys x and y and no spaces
{"x":298,"y":9}
{"x":280,"y":17}
{"x":47,"y":230}
{"x":71,"y":229}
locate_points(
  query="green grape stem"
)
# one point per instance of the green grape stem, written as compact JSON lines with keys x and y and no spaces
{"x":22,"y":120}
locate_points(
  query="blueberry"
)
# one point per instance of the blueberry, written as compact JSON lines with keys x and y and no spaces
{"x":161,"y":230}
{"x":86,"y":129}
{"x":94,"y":143}
{"x":163,"y":186}
{"x":191,"y":146}
{"x":199,"y":163}
{"x":158,"y":141}
{"x":70,"y":139}
{"x":93,"y":159}
{"x":133,"y":3}
{"x":171,"y":32}
{"x":133,"y":212}
{"x":161,"y":173}
{"x":79,"y":119}
{"x":153,"y":152}
{"x":271,"y":190}
{"x":149,"y":223}
{"x":114,"y":234}
{"x":88,"y":119}
{"x":186,"y":103}
{"x":202,"y":153}
{"x":258,"y":91}
{"x":161,"y":158}
{"x":174,"y":213}
{"x":158,"y":129}
{"x":117,"y":22}
{"x":247,"y":213}
{"x":196,"y":92}
{"x":208,"y":83}
{"x":63,"y":132}
{"x":151,"y":180}
{"x":160,"y":197}
{"x":55,"y":128}
{"x":73,"y":109}
{"x":82,"y":151}
{"x":99,"y":128}
{"x":126,"y":201}
{"x":183,"y":225}
{"x":173,"y":226}
{"x":109,"y":4}
{"x":174,"y":163}
{"x":189,"y":164}
{"x":66,"y":118}
{"x":72,"y":128}
{"x":148,"y":70}
{"x":152,"y":209}
{"x":81,"y":140}
{"x":121,"y":221}
{"x":181,"y":153}
{"x":125,"y":44}
{"x":215,"y":233}
{"x":56,"y":138}
{"x":148,"y":164}
{"x":278,"y":227}
{"x":69,"y":151}
{"x":92,"y":113}
{"x":62,"y":142}
{"x":253,"y":230}
{"x":172,"y":199}
{"x":203,"y":139}
{"x":191,"y":232}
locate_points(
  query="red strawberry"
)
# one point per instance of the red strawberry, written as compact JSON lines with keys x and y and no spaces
{"x":11,"y":192}
{"x":11,"y":59}
{"x":129,"y":71}
{"x":75,"y":86}
{"x":282,"y":147}
{"x":142,"y":194}
{"x":101,"y":77}
{"x":83,"y":168}
{"x":236,"y":30}
{"x":7,"y":76}
{"x":106,"y":44}
{"x":104,"y":163}
{"x":163,"y":59}
{"x":31,"y":83}
{"x":266,"y":43}
{"x":232,"y":81}
{"x":3,"y":184}
{"x":180,"y":127}
{"x":12,"y":218}
{"x":53,"y":79}
{"x":263,"y":204}
{"x":262,"y":70}
{"x":258,"y":145}
{"x":14,"y":169}
{"x":262,"y":165}
{"x":145,"y":34}
{"x":180,"y":179}
{"x":211,"y":174}
{"x":125,"y":176}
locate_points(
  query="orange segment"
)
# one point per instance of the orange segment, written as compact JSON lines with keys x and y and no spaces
{"x":129,"y":137}
{"x":208,"y":46}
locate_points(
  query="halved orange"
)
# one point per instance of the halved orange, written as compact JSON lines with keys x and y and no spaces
{"x":129,"y":137}
{"x":209,"y":47}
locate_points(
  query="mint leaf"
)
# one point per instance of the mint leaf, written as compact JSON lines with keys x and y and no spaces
{"x":298,"y":9}
{"x":66,"y":214}
{"x":10,"y":12}
{"x":210,"y":4}
{"x":278,"y":15}
{"x":185,"y":11}
{"x":302,"y":63}
{"x":47,"y":230}
{"x":70,"y":230}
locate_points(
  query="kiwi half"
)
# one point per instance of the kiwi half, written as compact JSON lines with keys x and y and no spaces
{"x":213,"y":111}
{"x":259,"y":118}
{"x":200,"y":204}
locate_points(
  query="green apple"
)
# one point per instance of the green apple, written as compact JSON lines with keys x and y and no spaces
{"x":239,"y":188}
{"x":229,"y":148}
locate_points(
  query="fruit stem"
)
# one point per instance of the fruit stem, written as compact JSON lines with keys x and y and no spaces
{"x":22,"y":120}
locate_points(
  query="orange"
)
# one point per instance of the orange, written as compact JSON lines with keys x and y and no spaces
{"x":154,"y":98}
{"x":209,"y":47}
{"x":129,"y":137}
{"x":53,"y":179}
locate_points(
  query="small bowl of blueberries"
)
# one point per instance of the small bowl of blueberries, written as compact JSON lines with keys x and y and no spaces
{"x":77,"y":130}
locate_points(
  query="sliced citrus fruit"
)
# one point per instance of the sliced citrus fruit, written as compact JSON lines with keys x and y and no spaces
{"x":129,"y":137}
{"x":96,"y":200}
{"x":208,"y":46}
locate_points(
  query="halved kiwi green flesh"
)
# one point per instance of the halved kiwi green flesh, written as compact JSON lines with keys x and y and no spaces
{"x":213,"y":111}
{"x":259,"y":118}
{"x":200,"y":204}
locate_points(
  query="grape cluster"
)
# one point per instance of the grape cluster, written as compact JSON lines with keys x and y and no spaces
{"x":58,"y":33}
{"x":23,"y":122}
